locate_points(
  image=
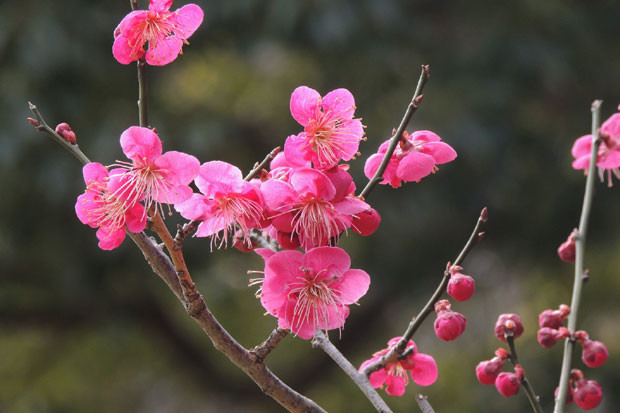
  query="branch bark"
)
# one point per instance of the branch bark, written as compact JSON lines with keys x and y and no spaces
{"x":580,"y":247}
{"x":321,"y":340}
{"x":424,"y":405}
{"x":417,"y":321}
{"x":529,"y":390}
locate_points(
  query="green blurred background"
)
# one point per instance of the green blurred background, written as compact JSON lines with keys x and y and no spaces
{"x":86,"y":330}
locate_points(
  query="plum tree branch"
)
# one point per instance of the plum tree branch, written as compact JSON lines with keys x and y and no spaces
{"x":417,"y":321}
{"x":321,"y":340}
{"x":580,"y":247}
{"x":529,"y":390}
{"x":411,"y":109}
{"x":423,"y":404}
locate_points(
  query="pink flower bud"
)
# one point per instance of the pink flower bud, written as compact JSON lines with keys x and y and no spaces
{"x":547,"y":337}
{"x":566,"y":250}
{"x":487,"y":370}
{"x":587,"y":394}
{"x":550,"y":318}
{"x":33,"y":122}
{"x":506,"y":323}
{"x":594,"y":353}
{"x":508,"y":384}
{"x":449,"y":324}
{"x":64,"y":130}
{"x":461,"y":287}
{"x":581,"y":336}
{"x":365,"y":223}
{"x":569,"y":395}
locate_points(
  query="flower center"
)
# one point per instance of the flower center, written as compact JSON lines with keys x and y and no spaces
{"x":315,"y":299}
{"x":108,"y":211}
{"x":236,"y":211}
{"x":317,"y":221}
{"x":142,"y":181}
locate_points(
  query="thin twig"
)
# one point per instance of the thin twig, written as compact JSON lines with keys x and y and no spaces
{"x":142,"y":83}
{"x":529,"y":390}
{"x":580,"y":247}
{"x":259,"y":166}
{"x":262,"y":350}
{"x":42,"y":126}
{"x":321,"y":340}
{"x":423,"y":403}
{"x":411,"y":108}
{"x":417,"y":321}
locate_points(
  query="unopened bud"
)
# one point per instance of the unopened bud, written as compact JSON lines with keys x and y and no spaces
{"x":566,"y":250}
{"x":33,"y":122}
{"x":64,"y":130}
{"x":510,"y":323}
{"x":594,"y":353}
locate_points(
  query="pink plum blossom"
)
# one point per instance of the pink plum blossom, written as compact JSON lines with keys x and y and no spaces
{"x":608,"y":159}
{"x":165,"y":32}
{"x":312,"y":206}
{"x":227,"y":203}
{"x":416,"y":156}
{"x":151,"y":176}
{"x":99,"y":208}
{"x":508,"y":384}
{"x":310,"y":291}
{"x":394,"y":377}
{"x":330,"y":132}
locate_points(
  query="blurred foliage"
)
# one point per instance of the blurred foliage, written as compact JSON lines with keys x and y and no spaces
{"x":88,"y":330}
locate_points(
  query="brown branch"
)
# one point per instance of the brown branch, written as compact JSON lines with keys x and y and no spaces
{"x":259,"y":166}
{"x":423,"y":403}
{"x":321,"y":340}
{"x":411,"y":109}
{"x":262,"y":350}
{"x":514,"y":359}
{"x":417,"y":321}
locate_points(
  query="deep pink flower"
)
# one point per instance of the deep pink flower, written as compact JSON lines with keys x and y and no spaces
{"x":394,"y":377}
{"x":330,"y":132}
{"x":449,"y":324}
{"x":313,"y":206}
{"x":99,"y":208}
{"x":64,"y":130}
{"x":508,"y":384}
{"x":587,"y":394}
{"x":594,"y":353}
{"x":508,"y":322}
{"x":366,"y":223}
{"x":553,"y":318}
{"x":460,"y":287}
{"x":311,"y":291}
{"x":566,"y":250}
{"x":547,"y":336}
{"x":227,"y":203}
{"x":608,"y":153}
{"x":151,"y":176}
{"x":416,"y":156}
{"x":165,"y":32}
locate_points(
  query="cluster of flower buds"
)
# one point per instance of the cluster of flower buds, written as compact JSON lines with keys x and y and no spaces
{"x":586,"y":394}
{"x":490,"y":371}
{"x":64,"y":130}
{"x":394,"y":376}
{"x":566,"y":250}
{"x":594,"y":353}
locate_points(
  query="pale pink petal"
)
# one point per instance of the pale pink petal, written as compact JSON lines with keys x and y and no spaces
{"x":612,"y":125}
{"x":219,"y":177}
{"x":297,"y":151}
{"x":140,"y":144}
{"x":278,"y":194}
{"x":281,"y":269}
{"x":442,"y":152}
{"x":395,"y":385}
{"x":163,"y":50}
{"x":582,"y":162}
{"x":415,"y":166}
{"x":179,"y":168}
{"x":94,"y":172}
{"x":160,"y":5}
{"x":193,"y":208}
{"x":186,"y":20}
{"x":123,"y":52}
{"x":424,"y":372}
{"x":609,"y":160}
{"x":265,"y":253}
{"x":424,"y":136}
{"x":135,"y":218}
{"x":339,"y":103}
{"x":108,"y":240}
{"x":304,"y":104}
{"x":328,"y":262}
{"x":174,"y":195}
{"x":582,"y":146}
{"x":352,"y":286}
{"x":309,"y":182}
{"x":351,"y":206}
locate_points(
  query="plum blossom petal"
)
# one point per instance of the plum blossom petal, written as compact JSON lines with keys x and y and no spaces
{"x":341,"y":102}
{"x":352,"y":286}
{"x":424,"y":371}
{"x":304,"y":104}
{"x":163,"y":50}
{"x":141,"y":144}
{"x":415,"y":166}
{"x":187,"y":19}
{"x":327,"y":262}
